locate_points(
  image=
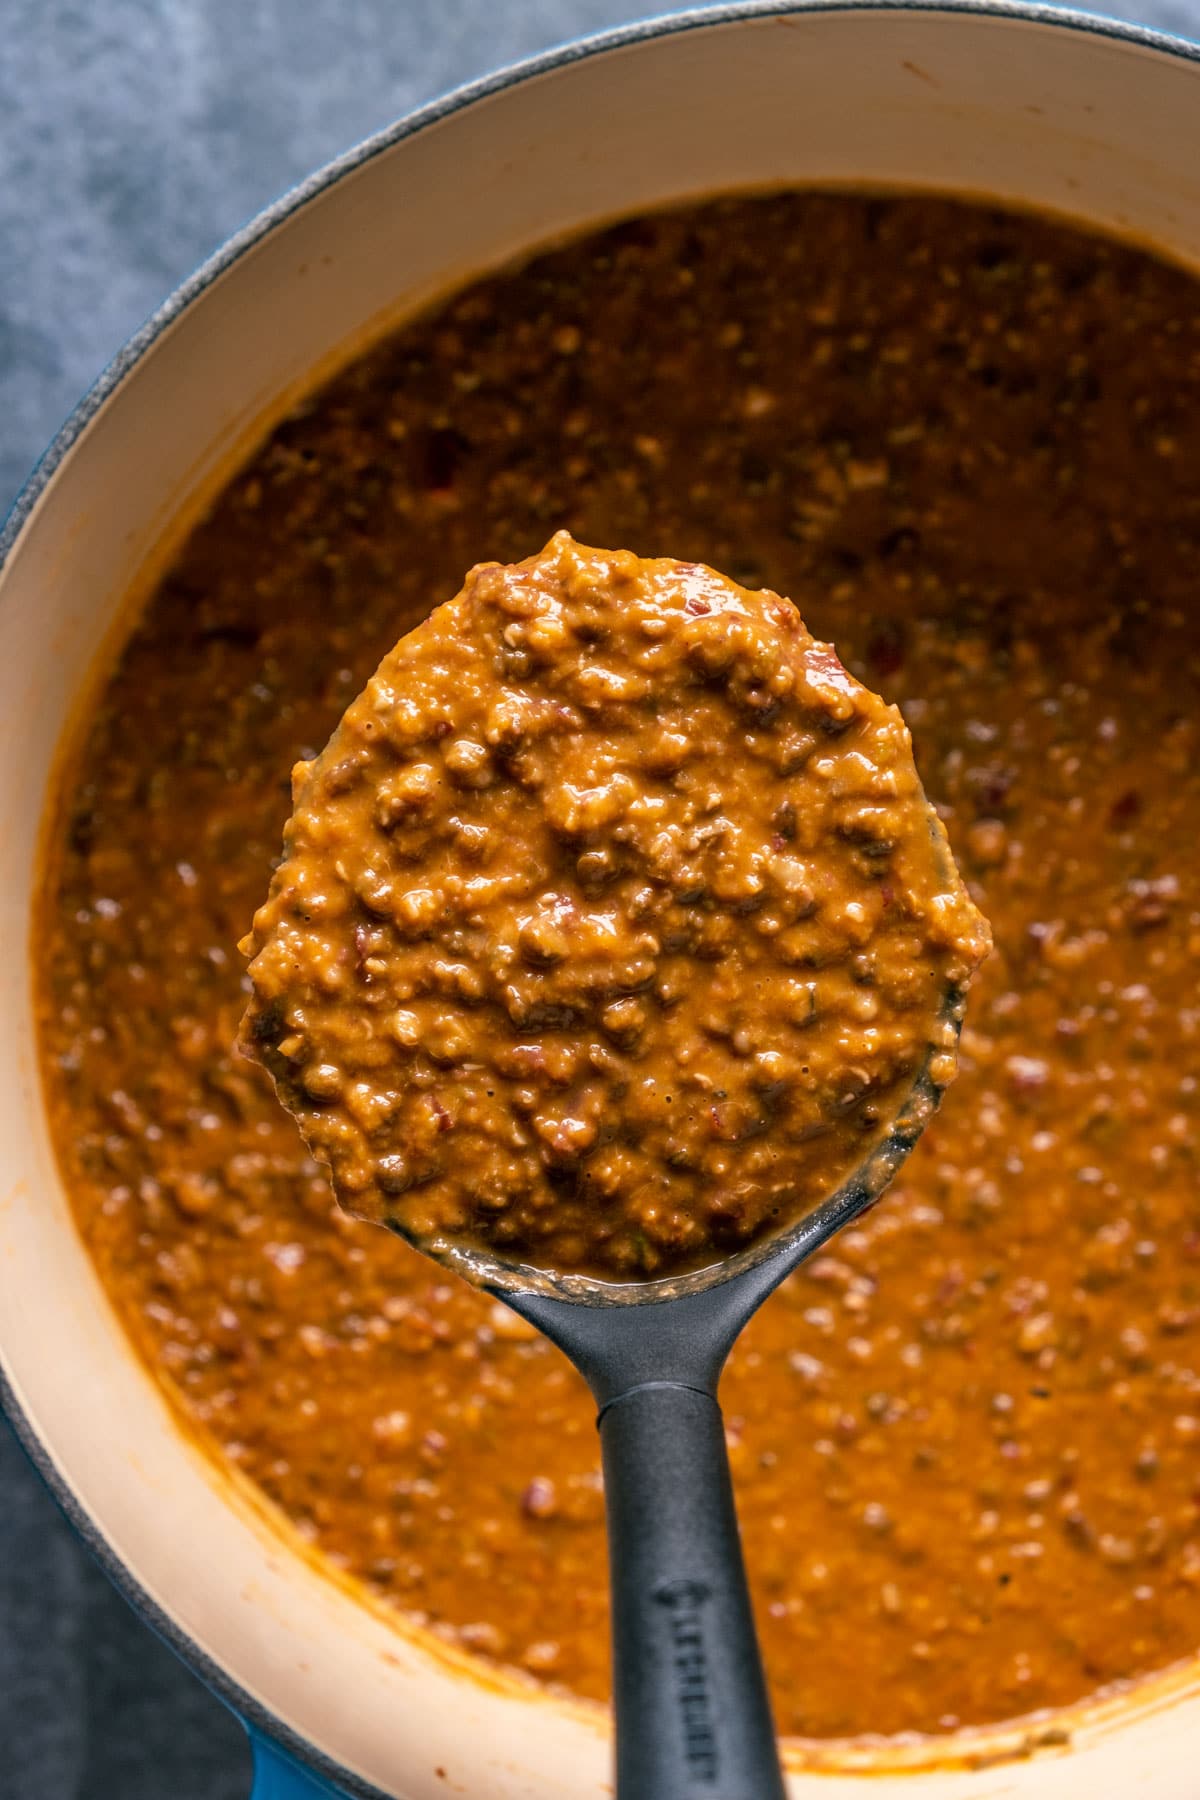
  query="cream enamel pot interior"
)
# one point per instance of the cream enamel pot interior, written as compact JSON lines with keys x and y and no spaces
{"x":1036,"y":107}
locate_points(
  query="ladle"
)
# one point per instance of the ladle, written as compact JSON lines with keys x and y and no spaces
{"x":693,"y":1720}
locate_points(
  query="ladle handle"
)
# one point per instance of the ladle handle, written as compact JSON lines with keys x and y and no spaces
{"x":692,"y":1714}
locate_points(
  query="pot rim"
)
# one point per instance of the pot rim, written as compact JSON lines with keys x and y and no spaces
{"x":257,"y":1717}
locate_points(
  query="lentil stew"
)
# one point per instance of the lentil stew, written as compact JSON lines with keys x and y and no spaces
{"x":965,"y":1441}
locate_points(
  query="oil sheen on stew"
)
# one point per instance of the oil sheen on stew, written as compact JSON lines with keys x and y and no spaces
{"x":966,"y":1441}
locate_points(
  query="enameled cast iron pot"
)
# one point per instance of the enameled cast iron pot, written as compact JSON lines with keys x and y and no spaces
{"x":1026,"y":104}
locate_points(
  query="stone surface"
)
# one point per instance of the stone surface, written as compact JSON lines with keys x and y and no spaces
{"x":134,"y":136}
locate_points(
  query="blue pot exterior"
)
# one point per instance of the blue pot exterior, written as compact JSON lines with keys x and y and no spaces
{"x":278,"y":1776}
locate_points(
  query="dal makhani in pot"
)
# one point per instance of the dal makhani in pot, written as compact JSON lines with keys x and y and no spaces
{"x":962,"y":433}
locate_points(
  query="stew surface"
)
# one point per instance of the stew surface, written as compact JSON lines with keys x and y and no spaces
{"x":967,"y":1441}
{"x":613,"y":929}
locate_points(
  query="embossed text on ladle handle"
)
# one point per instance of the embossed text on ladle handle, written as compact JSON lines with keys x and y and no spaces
{"x":692,"y":1714}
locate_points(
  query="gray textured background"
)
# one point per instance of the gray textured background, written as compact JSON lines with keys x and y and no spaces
{"x":134,"y":136}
